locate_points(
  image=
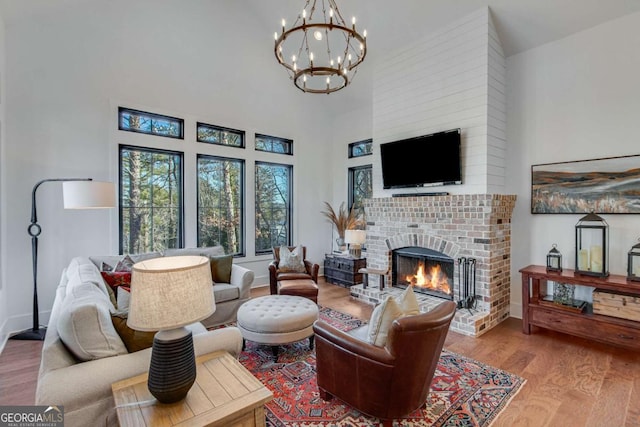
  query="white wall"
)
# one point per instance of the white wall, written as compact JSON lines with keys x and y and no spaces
{"x":4,"y":316}
{"x":453,"y":78}
{"x":574,"y":99}
{"x":69,"y":67}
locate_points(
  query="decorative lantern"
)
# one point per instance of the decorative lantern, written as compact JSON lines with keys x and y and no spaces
{"x":633,"y":263}
{"x":592,"y":246}
{"x":554,"y":259}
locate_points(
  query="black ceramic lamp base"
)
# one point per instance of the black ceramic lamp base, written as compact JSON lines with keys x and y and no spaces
{"x":172,"y":371}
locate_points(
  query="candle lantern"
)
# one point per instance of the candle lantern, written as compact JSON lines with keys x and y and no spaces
{"x":592,"y":246}
{"x":554,"y":259}
{"x":633,"y":263}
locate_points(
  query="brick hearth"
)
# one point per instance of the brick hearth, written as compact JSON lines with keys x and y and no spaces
{"x":471,"y":226}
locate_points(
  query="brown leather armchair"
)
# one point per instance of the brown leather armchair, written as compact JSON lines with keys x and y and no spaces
{"x":384,"y":382}
{"x":275,"y":275}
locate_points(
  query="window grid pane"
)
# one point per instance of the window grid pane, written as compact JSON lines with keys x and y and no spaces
{"x":150,"y":200}
{"x":220,"y":203}
{"x":273,"y":206}
{"x":274,"y":144}
{"x":361,"y":148}
{"x":212,"y":134}
{"x":153,"y":124}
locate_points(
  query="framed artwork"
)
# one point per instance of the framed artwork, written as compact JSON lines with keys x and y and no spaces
{"x":604,"y":186}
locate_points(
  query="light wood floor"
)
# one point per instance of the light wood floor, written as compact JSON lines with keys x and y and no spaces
{"x":571,"y":382}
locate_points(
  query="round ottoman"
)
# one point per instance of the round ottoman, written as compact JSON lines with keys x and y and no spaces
{"x":277,"y":319}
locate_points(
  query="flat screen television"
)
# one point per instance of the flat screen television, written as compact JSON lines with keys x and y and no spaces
{"x":422,"y":161}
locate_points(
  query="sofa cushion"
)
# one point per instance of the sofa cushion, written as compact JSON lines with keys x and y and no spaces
{"x":224,"y":292}
{"x":221,"y":268}
{"x":133,"y":340}
{"x":82,"y":271}
{"x":408,"y":302}
{"x":85,"y":325}
{"x":291,"y":261}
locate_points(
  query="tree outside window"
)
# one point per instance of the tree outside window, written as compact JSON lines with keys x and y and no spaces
{"x":220,"y":203}
{"x":151,"y":202}
{"x":360,"y":185}
{"x":273,"y":205}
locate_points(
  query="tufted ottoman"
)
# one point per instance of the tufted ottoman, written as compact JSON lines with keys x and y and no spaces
{"x":277,"y":319}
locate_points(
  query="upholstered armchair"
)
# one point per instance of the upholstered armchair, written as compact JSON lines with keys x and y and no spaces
{"x":385,"y":382}
{"x":311,"y":270}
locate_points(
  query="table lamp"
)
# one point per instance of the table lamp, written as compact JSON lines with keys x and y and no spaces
{"x":355,"y":239}
{"x":168,"y":293}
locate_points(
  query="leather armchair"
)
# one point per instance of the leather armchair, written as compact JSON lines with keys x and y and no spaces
{"x":385,"y":382}
{"x":275,"y":275}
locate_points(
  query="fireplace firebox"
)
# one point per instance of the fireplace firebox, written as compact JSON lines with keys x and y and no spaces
{"x":428,"y":271}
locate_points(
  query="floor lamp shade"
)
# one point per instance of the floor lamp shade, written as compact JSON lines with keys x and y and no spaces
{"x":88,"y":194}
{"x":167,"y":294}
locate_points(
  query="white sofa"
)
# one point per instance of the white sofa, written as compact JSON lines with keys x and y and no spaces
{"x":228,"y":296}
{"x":83,"y":355}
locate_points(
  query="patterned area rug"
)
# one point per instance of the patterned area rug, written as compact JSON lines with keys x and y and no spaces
{"x":464,"y":392}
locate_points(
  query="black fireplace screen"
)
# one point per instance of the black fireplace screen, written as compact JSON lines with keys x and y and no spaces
{"x":428,"y":271}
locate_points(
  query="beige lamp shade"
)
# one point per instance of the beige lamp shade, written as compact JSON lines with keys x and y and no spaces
{"x":357,"y":237}
{"x":170,"y":292}
{"x":88,"y":194}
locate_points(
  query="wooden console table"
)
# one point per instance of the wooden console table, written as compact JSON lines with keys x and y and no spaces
{"x":606,"y":329}
{"x":225,"y":394}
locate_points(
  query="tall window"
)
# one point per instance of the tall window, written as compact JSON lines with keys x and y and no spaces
{"x":220,"y":203}
{"x":150,"y":200}
{"x":273,"y":205}
{"x":360,"y":187}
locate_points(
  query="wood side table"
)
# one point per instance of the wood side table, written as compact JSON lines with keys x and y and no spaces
{"x":225,"y":394}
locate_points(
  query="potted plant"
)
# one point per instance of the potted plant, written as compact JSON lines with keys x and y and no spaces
{"x":343,"y":220}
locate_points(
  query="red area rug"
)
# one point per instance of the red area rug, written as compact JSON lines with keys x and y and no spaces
{"x":464,"y":392}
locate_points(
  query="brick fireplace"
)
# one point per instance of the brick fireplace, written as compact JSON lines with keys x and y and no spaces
{"x":471,"y":226}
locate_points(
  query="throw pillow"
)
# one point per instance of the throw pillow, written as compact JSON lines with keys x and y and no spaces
{"x":291,"y":261}
{"x":85,"y":326}
{"x":221,"y":268}
{"x":123,"y":297}
{"x":133,"y":340}
{"x":105,"y":267}
{"x":124,"y":264}
{"x":381,"y":319}
{"x":408,"y":302}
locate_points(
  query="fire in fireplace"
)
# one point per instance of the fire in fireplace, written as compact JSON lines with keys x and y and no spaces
{"x":428,"y":271}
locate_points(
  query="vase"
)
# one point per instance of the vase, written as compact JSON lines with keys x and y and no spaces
{"x":342,"y":246}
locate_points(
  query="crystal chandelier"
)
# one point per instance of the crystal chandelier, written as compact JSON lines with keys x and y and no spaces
{"x":320,"y":52}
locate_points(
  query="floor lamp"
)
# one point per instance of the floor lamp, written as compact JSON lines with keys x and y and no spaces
{"x":78,"y":193}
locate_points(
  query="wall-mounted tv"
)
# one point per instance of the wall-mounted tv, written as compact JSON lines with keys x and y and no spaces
{"x":422,"y":161}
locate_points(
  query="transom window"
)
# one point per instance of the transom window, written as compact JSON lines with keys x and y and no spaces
{"x":220,"y":203}
{"x":151,"y":202}
{"x":273,"y":144}
{"x":150,"y":123}
{"x":273,"y":205}
{"x":212,"y":134}
{"x":361,"y":148}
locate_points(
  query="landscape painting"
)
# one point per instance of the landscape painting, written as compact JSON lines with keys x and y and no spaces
{"x":605,"y":186}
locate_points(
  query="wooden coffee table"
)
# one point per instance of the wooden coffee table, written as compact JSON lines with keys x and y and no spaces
{"x":224,"y":394}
